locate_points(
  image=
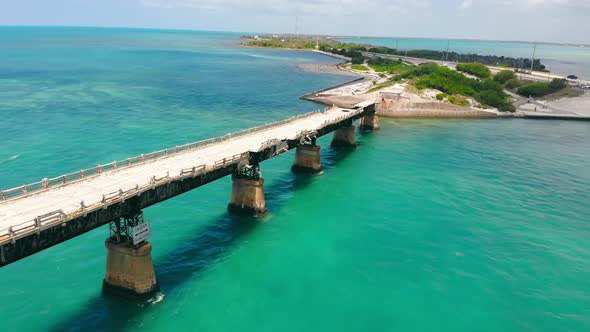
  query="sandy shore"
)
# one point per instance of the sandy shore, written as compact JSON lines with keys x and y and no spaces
{"x":573,"y":106}
{"x":578,"y":105}
{"x":325,"y":69}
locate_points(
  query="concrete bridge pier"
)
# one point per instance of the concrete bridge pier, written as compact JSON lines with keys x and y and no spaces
{"x":344,"y":136}
{"x":247,"y":196}
{"x":129,"y":269}
{"x":307,"y":159}
{"x":369,"y":122}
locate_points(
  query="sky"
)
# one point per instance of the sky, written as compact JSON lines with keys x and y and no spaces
{"x":564,"y":21}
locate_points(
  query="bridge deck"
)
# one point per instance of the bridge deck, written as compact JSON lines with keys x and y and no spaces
{"x":23,"y":210}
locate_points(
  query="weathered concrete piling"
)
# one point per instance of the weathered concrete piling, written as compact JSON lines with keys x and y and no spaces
{"x":369,"y":122}
{"x":344,"y":137}
{"x":307,"y":159}
{"x":129,"y":269}
{"x":247,"y":195}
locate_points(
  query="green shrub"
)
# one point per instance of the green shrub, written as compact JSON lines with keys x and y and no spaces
{"x":476,"y":69}
{"x":540,"y":89}
{"x":513,"y":84}
{"x":357,"y":60}
{"x":459,"y":101}
{"x":557,"y":84}
{"x":536,"y":89}
{"x":504,"y":76}
{"x":441,"y":96}
{"x":453,"y":83}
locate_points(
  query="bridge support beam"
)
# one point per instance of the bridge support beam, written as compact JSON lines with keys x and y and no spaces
{"x":307,"y":159}
{"x":344,"y":137}
{"x":130,"y":270}
{"x":369,"y":122}
{"x":247,"y":196}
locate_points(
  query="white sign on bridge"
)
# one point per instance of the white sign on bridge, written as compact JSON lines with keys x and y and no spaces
{"x":141,"y":233}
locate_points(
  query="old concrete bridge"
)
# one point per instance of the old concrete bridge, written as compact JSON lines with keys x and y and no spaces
{"x":40,"y":215}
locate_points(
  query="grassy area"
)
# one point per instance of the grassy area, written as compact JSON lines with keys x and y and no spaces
{"x":359,"y":67}
{"x":380,"y":86}
{"x":387,"y":66}
{"x":487,"y":91}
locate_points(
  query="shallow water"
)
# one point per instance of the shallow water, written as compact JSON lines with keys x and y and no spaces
{"x":457,"y":225}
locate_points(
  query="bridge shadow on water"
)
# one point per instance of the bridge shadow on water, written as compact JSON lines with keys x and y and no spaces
{"x":112,"y":313}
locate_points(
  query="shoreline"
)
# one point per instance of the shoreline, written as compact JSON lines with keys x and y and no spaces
{"x":345,"y":95}
{"x":328,"y":69}
{"x":337,"y":56}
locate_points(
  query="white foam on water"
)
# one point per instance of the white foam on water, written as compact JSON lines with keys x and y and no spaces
{"x":157,"y":298}
{"x":11,"y":158}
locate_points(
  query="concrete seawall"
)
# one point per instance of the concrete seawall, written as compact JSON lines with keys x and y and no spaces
{"x":437,"y":114}
{"x":407,"y":109}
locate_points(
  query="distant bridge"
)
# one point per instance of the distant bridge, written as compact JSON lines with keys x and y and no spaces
{"x":37,"y":216}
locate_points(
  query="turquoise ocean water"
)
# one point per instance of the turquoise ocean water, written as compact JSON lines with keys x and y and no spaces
{"x":458,"y":225}
{"x":560,"y":59}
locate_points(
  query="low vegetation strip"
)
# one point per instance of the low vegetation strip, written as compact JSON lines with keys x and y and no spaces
{"x":359,"y":67}
{"x":476,"y":69}
{"x":381,"y":65}
{"x":490,"y":60}
{"x":540,"y":89}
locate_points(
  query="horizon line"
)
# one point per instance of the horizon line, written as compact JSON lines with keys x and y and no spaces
{"x":306,"y":34}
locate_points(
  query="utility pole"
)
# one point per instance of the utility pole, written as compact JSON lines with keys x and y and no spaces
{"x":447,"y":52}
{"x":534,"y":51}
{"x":296,"y":25}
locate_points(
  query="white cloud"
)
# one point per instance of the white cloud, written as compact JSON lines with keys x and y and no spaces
{"x":466,"y":4}
{"x":299,"y":7}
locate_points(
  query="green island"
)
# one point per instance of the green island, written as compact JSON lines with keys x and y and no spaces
{"x":470,"y":79}
{"x":353,"y":51}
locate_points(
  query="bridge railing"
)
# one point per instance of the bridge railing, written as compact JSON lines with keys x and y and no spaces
{"x":341,"y":118}
{"x":58,"y":217}
{"x":69,"y":178}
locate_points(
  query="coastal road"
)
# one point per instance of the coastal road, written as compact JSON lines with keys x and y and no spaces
{"x":534,"y":76}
